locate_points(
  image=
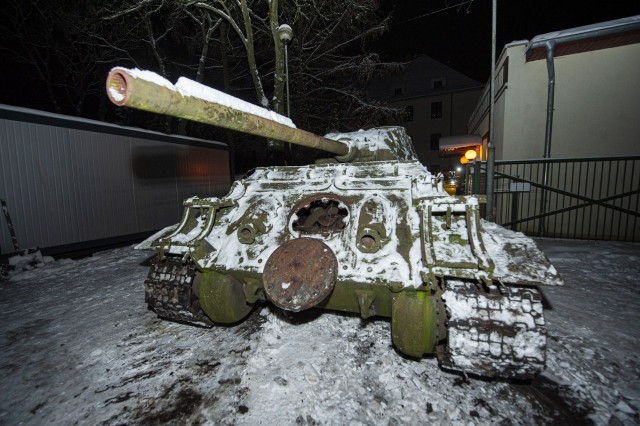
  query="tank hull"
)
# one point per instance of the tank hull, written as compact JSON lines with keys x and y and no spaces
{"x":399,"y":247}
{"x":370,"y":232}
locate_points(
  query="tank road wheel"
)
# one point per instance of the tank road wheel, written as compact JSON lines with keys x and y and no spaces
{"x":414,"y":322}
{"x":222,"y":298}
{"x":494,"y":331}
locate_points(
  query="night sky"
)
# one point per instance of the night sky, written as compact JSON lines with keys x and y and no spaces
{"x":461,"y":36}
{"x":455,"y":32}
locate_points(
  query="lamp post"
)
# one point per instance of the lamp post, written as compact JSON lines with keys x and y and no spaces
{"x":286,"y":34}
{"x":471,"y":155}
{"x":465,"y":162}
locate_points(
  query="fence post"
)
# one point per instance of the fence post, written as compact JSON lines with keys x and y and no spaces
{"x":490,"y":182}
{"x":543,"y":198}
{"x":514,"y":210}
{"x":476,"y":176}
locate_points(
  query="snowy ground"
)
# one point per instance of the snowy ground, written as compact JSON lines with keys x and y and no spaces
{"x":78,"y":346}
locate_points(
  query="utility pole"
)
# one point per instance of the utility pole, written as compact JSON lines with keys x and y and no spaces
{"x":491,"y":147}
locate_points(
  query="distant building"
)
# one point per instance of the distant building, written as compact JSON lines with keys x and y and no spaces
{"x":438,"y":101}
{"x":595,"y":110}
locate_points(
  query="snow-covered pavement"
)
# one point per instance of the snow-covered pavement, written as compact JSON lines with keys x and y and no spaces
{"x":79,"y":346}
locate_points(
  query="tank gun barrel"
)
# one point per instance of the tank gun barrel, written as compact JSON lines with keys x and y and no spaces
{"x":189,"y":100}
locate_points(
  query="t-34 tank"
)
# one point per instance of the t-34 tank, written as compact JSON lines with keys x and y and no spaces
{"x":371,"y":232}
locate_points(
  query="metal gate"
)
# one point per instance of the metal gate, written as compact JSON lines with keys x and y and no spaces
{"x":581,"y":198}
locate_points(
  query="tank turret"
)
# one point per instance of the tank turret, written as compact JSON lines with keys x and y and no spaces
{"x":373,"y":233}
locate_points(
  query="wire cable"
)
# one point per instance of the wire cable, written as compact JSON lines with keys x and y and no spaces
{"x":458,"y":5}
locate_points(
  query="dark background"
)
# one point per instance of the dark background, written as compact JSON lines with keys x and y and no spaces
{"x":461,"y":36}
{"x":455,"y":32}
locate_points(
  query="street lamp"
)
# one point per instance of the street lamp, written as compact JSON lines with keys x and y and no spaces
{"x":285,"y":33}
{"x":470,"y":156}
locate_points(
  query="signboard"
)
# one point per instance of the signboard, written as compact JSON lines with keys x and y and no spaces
{"x":520,"y":187}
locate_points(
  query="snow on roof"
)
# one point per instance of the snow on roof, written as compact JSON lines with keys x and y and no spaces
{"x":450,"y":143}
{"x":516,"y":43}
{"x":618,"y":25}
{"x":29,"y":115}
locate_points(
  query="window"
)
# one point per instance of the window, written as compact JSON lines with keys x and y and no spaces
{"x":408,"y":113}
{"x":397,"y":91}
{"x":435,"y":141}
{"x":437,"y":84}
{"x":436,"y":109}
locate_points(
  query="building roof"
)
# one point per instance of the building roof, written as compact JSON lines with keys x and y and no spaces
{"x":603,"y":35}
{"x":417,"y":81}
{"x":452,"y":143}
{"x":9,"y":112}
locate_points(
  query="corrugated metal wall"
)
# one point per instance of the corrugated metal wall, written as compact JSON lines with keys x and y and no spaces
{"x":69,"y":180}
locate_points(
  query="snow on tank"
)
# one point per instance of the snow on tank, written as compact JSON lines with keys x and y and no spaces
{"x":371,"y":232}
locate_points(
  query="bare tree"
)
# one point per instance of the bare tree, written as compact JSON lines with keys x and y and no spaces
{"x":229,"y":44}
{"x":238,"y":16}
{"x":332,"y":64}
{"x":330,"y":60}
{"x":48,"y":37}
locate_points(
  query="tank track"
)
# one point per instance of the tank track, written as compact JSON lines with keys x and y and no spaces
{"x":497,"y":332}
{"x":169,"y":289}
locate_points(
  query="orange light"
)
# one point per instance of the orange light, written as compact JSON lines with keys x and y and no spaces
{"x":451,"y":187}
{"x":470,"y":155}
{"x":463,"y":160}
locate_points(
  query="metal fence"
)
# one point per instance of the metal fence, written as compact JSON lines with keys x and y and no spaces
{"x":581,"y":198}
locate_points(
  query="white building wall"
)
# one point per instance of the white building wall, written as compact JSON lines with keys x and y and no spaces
{"x":66,"y":185}
{"x":525,"y":107}
{"x":597,"y":105}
